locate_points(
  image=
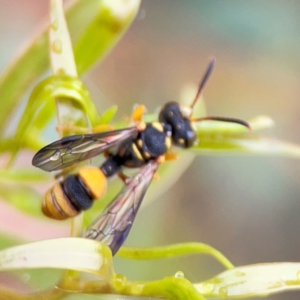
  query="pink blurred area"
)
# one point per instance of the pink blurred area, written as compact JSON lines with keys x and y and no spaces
{"x":16,"y":224}
{"x":247,"y":207}
{"x":19,"y":20}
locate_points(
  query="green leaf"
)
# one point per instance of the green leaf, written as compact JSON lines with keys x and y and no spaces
{"x":42,"y":98}
{"x":106,"y":26}
{"x":22,"y":197}
{"x":226,"y":138}
{"x":108,"y":115}
{"x":85,"y":28}
{"x":22,"y":175}
{"x":173,"y":251}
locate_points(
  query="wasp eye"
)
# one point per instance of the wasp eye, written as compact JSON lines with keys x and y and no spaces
{"x":191,"y":137}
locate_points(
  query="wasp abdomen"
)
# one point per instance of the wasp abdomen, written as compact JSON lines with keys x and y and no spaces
{"x":94,"y":180}
{"x":76,"y":193}
{"x":56,"y":205}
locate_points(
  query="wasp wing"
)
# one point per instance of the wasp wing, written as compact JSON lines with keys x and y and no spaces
{"x":113,"y":225}
{"x":73,"y":149}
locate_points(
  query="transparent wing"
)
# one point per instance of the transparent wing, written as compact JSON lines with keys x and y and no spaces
{"x":73,"y":149}
{"x":113,"y":225}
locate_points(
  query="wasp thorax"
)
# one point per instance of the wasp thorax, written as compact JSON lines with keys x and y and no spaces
{"x":183,"y":134}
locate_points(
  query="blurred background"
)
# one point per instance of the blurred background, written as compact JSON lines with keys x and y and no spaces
{"x":247,"y":207}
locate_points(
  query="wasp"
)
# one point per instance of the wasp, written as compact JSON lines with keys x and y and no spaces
{"x":143,"y":146}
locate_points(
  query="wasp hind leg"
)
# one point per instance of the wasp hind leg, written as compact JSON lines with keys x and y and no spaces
{"x":65,"y":130}
{"x":124,"y":177}
{"x":166,"y":157}
{"x":170,"y":156}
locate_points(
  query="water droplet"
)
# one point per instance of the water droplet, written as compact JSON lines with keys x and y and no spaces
{"x":60,"y":71}
{"x":179,"y":274}
{"x":25,"y":277}
{"x":48,"y":87}
{"x":137,"y":289}
{"x":141,"y":15}
{"x":207,"y":288}
{"x":298,"y":275}
{"x":120,"y":281}
{"x":57,"y":46}
{"x":55,"y":156}
{"x":223,"y":291}
{"x":218,"y":137}
{"x":55,"y":25}
{"x":239,"y":274}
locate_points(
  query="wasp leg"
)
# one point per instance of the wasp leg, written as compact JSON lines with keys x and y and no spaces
{"x":156,"y":176}
{"x":137,"y":114}
{"x":102,"y":128}
{"x":141,"y":126}
{"x":65,"y":172}
{"x":166,"y":157}
{"x":124,"y":177}
{"x":106,"y":153}
{"x":170,"y":156}
{"x":66,"y":129}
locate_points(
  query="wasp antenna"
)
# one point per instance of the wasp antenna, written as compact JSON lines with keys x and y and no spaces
{"x":204,"y":80}
{"x":223,"y":119}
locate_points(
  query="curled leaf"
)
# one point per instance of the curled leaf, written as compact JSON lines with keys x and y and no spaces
{"x":253,"y":280}
{"x":45,"y":92}
{"x":65,"y":253}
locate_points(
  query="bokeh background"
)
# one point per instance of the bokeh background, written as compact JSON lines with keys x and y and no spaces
{"x":248,"y":207}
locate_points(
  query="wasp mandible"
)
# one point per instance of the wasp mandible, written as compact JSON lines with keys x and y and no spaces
{"x":143,"y":146}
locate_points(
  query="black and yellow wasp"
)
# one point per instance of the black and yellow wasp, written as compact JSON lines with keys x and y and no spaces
{"x":143,"y":146}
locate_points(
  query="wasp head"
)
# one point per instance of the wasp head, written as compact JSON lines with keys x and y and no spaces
{"x":178,"y":118}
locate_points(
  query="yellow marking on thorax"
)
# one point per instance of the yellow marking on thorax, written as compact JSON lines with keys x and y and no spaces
{"x":137,"y":152}
{"x":157,"y":126}
{"x":146,"y":155}
{"x":168,"y":142}
{"x":141,"y":126}
{"x":139,"y":143}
